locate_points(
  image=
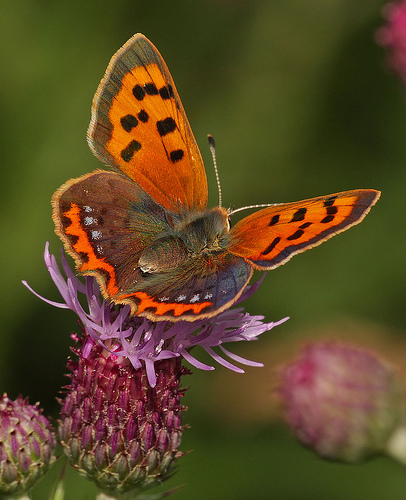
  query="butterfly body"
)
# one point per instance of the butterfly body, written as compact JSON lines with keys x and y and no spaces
{"x":144,"y":230}
{"x":196,"y":242}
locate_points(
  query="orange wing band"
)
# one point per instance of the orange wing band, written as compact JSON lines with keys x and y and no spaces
{"x":162,"y":308}
{"x":83,"y":246}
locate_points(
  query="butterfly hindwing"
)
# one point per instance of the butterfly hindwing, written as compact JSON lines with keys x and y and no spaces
{"x":185,"y":294}
{"x":105,"y":222}
{"x":139,"y":126}
{"x":271,"y":236}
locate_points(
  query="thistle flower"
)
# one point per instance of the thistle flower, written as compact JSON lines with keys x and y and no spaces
{"x":26,"y":445}
{"x":343,"y":402}
{"x":116,"y":429}
{"x":120,"y":421}
{"x":143,"y":342}
{"x":393,"y":36}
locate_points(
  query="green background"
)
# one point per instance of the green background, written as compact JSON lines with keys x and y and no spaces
{"x":301,"y":103}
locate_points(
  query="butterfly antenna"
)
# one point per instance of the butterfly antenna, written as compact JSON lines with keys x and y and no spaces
{"x":262,"y":205}
{"x":212,"y":147}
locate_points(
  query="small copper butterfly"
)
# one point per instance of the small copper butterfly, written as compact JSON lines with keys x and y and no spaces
{"x":145,"y":232}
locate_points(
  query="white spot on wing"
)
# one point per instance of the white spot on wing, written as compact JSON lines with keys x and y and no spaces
{"x":89,"y":220}
{"x":195,"y":298}
{"x":96,"y":235}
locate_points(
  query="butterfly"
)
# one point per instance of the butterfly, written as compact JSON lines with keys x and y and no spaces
{"x":144,"y":230}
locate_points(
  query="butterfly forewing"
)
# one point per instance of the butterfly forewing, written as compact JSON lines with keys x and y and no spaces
{"x":139,"y":126}
{"x":270,"y":237}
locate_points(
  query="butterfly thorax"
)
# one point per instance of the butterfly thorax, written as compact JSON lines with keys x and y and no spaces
{"x":198,"y":237}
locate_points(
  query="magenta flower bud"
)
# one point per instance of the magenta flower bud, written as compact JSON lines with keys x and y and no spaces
{"x":115,"y":428}
{"x":341,"y":401}
{"x":392,"y":36}
{"x":27,"y":445}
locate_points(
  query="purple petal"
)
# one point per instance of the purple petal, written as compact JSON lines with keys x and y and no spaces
{"x":194,"y":362}
{"x":241,"y":360}
{"x":222,"y":361}
{"x":50,"y":302}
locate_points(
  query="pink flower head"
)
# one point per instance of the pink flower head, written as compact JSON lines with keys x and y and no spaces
{"x":343,"y":402}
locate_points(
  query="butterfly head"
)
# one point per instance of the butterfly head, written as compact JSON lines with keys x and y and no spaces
{"x":205,"y":232}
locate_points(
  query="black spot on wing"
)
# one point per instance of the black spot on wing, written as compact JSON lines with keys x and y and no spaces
{"x":296,"y":235}
{"x":150,"y":89}
{"x":166,"y":92}
{"x":128,"y":122}
{"x":143,"y":116}
{"x":299,"y":215}
{"x":274,"y":220}
{"x":331,"y":210}
{"x":270,"y":247}
{"x":176,"y":155}
{"x":138,"y":92}
{"x":128,"y":152}
{"x":330,"y":201}
{"x":166,"y":126}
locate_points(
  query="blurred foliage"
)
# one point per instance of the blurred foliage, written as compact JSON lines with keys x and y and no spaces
{"x":301,"y":104}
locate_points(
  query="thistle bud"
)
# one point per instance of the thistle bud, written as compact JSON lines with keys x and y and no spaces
{"x":26,"y":445}
{"x":341,"y":401}
{"x":115,"y":428}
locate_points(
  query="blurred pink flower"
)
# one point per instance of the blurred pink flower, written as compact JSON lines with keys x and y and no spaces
{"x":392,"y":36}
{"x":341,"y":401}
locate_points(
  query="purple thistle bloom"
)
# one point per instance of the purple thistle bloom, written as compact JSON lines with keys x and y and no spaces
{"x":116,"y":429}
{"x":142,"y":341}
{"x":120,"y":422}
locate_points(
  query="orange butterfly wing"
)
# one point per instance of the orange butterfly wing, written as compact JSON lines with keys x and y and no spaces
{"x":270,"y":237}
{"x":139,"y":126}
